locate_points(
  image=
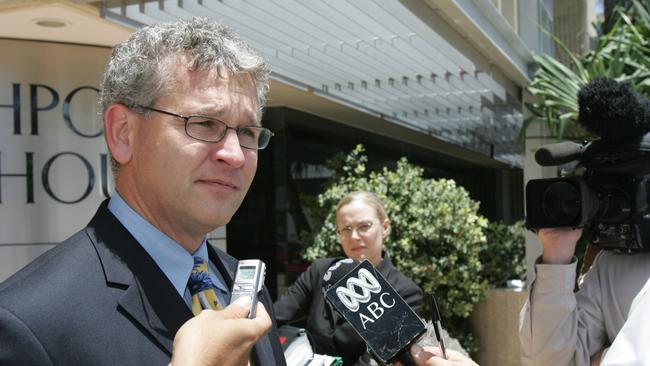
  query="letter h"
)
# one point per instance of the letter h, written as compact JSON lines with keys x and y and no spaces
{"x":29,"y":175}
{"x":16,"y":107}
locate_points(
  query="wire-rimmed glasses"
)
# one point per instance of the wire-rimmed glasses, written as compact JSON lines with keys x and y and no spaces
{"x":361,"y":229}
{"x":208,"y":129}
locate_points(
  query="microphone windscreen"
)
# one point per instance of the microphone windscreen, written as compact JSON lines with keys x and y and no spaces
{"x":613,"y":110}
{"x":558,"y":153}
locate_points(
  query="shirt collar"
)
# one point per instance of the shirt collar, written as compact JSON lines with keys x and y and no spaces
{"x":175,"y":262}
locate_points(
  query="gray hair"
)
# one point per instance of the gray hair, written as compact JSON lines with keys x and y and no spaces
{"x":137,"y":72}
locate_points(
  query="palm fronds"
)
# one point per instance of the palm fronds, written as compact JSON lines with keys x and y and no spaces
{"x":622,"y":54}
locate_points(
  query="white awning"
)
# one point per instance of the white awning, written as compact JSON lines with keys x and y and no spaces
{"x":375,"y":56}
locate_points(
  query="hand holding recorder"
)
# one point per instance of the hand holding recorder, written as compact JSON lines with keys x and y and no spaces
{"x":240,"y":325}
{"x":198,"y":342}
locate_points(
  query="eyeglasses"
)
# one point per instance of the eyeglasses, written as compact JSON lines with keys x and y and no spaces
{"x":361,"y":229}
{"x":208,"y":129}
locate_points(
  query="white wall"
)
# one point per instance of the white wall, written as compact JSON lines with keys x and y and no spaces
{"x":46,"y":162}
{"x":65,"y":154}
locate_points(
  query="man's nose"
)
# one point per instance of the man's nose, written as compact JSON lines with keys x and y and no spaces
{"x":229,"y":150}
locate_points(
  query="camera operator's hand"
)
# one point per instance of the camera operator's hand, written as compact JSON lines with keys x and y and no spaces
{"x":559,"y":244}
{"x":223,"y":337}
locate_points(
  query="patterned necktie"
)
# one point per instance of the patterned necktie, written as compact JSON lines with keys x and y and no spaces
{"x":202,"y":288}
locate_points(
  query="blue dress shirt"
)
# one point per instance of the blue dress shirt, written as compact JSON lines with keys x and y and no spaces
{"x":174,"y":260}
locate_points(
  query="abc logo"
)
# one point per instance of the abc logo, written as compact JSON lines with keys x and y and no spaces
{"x":358,"y":291}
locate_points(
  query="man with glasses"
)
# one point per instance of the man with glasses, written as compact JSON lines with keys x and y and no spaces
{"x":182,"y":105}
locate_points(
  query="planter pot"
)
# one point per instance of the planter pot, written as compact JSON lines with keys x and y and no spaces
{"x":495,"y":322}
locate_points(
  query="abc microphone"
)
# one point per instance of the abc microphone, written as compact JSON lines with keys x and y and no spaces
{"x":375,"y":310}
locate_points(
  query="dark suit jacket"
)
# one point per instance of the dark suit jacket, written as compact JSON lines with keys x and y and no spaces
{"x":330,"y":333}
{"x":98,"y":298}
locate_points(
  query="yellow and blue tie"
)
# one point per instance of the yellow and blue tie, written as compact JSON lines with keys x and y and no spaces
{"x":202,"y":288}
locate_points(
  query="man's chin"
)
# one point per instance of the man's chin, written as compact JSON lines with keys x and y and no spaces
{"x":213,"y":225}
{"x":211,"y":218}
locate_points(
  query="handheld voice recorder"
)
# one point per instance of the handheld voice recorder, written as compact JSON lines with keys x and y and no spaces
{"x":249,"y":280}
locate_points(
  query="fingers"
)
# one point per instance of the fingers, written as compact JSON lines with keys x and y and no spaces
{"x":238,"y":309}
{"x":223,"y":337}
{"x":558,"y":244}
{"x":432,"y":356}
{"x":262,"y":320}
{"x":436,"y":351}
{"x":560,"y":231}
{"x":421,"y":355}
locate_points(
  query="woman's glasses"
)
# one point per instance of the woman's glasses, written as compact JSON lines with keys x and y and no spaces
{"x":361,"y":229}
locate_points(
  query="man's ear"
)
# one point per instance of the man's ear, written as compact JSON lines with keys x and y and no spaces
{"x":119,"y":134}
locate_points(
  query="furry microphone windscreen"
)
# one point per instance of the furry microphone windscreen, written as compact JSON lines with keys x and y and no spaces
{"x":613,"y":110}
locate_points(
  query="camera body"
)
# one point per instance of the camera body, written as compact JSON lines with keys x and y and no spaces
{"x":610,"y":193}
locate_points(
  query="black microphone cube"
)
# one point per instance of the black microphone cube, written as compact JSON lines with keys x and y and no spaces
{"x":376,"y":311}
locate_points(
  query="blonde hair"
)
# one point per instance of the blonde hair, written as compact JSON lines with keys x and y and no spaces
{"x":368,"y":198}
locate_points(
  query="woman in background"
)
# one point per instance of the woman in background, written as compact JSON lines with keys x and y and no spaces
{"x":362,"y":225}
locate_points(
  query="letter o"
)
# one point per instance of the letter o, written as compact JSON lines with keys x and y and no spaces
{"x":66,"y":113}
{"x":45,"y":176}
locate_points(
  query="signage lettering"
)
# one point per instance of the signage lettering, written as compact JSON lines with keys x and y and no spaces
{"x":34,"y":108}
{"x":44,"y":98}
{"x":45,"y":176}
{"x":29,"y":176}
{"x":15,"y":106}
{"x":66,"y":113}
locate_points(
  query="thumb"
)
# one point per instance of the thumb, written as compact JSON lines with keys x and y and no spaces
{"x":238,"y":309}
{"x":421,"y":355}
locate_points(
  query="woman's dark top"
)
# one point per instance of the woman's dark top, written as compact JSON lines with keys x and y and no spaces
{"x":329,"y":332}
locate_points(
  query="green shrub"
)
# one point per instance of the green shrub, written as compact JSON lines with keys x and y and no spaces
{"x":436,"y":232}
{"x":504,"y":254}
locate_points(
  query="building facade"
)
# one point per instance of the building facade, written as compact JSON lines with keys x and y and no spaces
{"x":438,"y":81}
{"x":574,"y":25}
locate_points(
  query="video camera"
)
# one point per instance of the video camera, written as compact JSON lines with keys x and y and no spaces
{"x":609,"y":190}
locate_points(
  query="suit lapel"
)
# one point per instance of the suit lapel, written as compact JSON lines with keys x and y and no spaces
{"x":149,"y":299}
{"x":224,"y":263}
